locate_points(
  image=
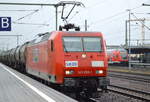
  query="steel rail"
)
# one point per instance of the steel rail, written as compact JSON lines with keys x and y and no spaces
{"x":129,"y":73}
{"x":135,"y":78}
{"x":141,"y":95}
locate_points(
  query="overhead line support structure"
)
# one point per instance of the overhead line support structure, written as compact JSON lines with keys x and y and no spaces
{"x":61,"y":3}
{"x":128,"y":42}
{"x":145,"y":4}
{"x":32,"y":4}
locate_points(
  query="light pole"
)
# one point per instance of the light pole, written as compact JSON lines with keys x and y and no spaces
{"x":85,"y":25}
{"x":129,"y":45}
{"x":126,"y":33}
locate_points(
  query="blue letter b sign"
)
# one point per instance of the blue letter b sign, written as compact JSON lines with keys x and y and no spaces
{"x":5,"y":23}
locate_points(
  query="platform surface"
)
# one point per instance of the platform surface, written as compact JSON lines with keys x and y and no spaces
{"x":16,"y":87}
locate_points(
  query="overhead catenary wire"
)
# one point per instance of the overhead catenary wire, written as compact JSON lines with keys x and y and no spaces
{"x":32,"y":24}
{"x":27,"y":15}
{"x":112,"y":16}
{"x":35,"y":11}
{"x":94,"y":5}
{"x":73,"y":16}
{"x":141,"y":21}
{"x":109,"y":17}
{"x":23,"y":10}
{"x":141,"y":13}
{"x":139,"y":6}
{"x":108,"y":21}
{"x":89,"y":7}
{"x":97,"y":4}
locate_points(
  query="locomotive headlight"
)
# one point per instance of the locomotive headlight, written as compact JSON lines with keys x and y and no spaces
{"x":69,"y":72}
{"x":83,"y":55}
{"x":99,"y":71}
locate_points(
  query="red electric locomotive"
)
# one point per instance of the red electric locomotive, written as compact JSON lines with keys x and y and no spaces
{"x":76,"y":60}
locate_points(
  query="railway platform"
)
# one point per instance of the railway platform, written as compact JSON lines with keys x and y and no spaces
{"x":16,"y":87}
{"x":133,"y":70}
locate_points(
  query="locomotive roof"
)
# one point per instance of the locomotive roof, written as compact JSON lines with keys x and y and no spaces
{"x":73,"y":32}
{"x":45,"y":36}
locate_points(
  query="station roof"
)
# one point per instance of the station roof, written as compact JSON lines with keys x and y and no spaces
{"x":139,"y":49}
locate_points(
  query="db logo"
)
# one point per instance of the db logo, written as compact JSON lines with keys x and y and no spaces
{"x":5,"y":23}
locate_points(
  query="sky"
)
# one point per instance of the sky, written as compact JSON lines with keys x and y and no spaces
{"x":106,"y":16}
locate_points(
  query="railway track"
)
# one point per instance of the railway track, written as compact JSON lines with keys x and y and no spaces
{"x":131,"y":77}
{"x":94,"y":100}
{"x":128,"y":92}
{"x":136,"y":94}
{"x":141,"y":95}
{"x":132,"y":93}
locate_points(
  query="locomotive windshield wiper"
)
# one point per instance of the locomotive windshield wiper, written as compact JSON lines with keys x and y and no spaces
{"x":100,"y":50}
{"x":65,"y":48}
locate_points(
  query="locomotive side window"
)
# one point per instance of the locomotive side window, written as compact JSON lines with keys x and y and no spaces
{"x":73,"y":44}
{"x":92,"y":44}
{"x":52,"y":45}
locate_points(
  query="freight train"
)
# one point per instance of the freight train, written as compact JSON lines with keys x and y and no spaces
{"x":76,"y":60}
{"x":117,"y":56}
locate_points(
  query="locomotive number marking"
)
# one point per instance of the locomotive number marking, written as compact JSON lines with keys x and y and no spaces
{"x":71,"y":63}
{"x":85,"y":72}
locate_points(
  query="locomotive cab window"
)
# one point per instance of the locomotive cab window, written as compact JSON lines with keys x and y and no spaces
{"x":73,"y":44}
{"x":87,"y":44}
{"x":92,"y":44}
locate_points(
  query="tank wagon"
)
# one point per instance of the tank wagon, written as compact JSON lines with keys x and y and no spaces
{"x":76,"y":60}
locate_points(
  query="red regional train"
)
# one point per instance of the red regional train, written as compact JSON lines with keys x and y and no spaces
{"x":117,"y":56}
{"x":76,"y":60}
